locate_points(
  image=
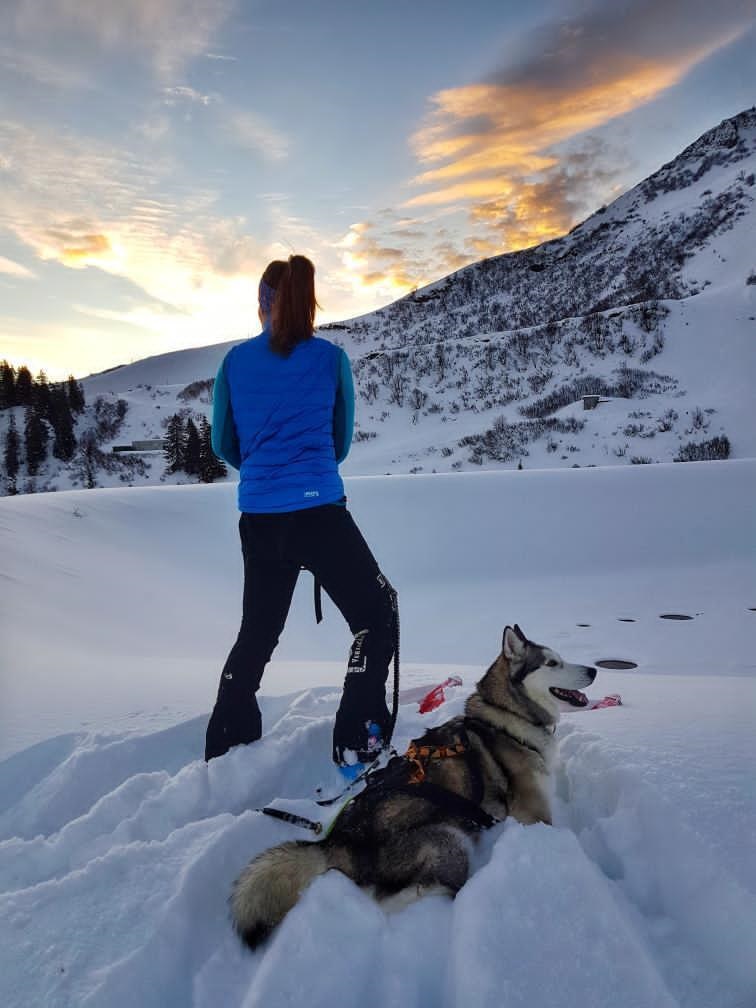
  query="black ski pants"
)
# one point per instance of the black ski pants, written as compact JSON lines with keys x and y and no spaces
{"x":275,"y":547}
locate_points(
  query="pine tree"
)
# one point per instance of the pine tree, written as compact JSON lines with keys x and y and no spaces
{"x":12,"y":455}
{"x":88,"y":460}
{"x":211,"y":467}
{"x":24,"y":387}
{"x":41,"y":397}
{"x":75,"y":392}
{"x":191,"y":449}
{"x":64,"y":445}
{"x":174,"y":444}
{"x":7,"y":385}
{"x":36,"y":436}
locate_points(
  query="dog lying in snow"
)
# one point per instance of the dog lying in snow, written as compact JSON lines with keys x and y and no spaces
{"x":410,"y":828}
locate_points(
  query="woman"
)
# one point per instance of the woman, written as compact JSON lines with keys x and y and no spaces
{"x":283,"y":414}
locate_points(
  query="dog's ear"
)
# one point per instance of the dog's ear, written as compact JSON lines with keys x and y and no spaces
{"x":513,"y":644}
{"x":520,"y":634}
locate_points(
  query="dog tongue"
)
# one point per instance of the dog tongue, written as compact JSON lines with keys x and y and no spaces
{"x":571,"y":696}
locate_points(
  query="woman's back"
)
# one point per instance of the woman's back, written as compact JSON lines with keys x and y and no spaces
{"x":283,"y":408}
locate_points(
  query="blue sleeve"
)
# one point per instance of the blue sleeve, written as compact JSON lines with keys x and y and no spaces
{"x":343,"y":410}
{"x":225,"y":440}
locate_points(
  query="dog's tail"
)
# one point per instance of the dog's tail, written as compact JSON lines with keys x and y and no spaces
{"x":272,"y":883}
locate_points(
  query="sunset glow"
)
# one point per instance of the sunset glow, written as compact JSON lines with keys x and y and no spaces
{"x":153,"y":159}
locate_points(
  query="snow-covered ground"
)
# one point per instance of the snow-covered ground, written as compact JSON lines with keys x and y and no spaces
{"x":118,"y":844}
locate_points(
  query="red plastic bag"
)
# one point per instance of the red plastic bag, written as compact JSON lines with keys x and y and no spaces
{"x":437,"y":696}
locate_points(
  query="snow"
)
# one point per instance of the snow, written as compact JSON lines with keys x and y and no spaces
{"x":118,"y":844}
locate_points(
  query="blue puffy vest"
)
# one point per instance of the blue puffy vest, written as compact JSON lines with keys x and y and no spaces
{"x":283,"y":409}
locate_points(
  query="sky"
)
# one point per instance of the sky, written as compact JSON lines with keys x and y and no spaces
{"x":155,"y":156}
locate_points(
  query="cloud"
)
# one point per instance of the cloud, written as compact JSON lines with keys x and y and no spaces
{"x":498,"y":146}
{"x":182,"y":93}
{"x":14,"y":269}
{"x":516,"y":157}
{"x":54,"y":187}
{"x":80,"y":248}
{"x":231,"y":251}
{"x":82,"y":203}
{"x":450,"y":257}
{"x":151,"y":316}
{"x":543,"y":207}
{"x":396,"y":254}
{"x":368,"y":262}
{"x":605,"y":42}
{"x":49,"y":69}
{"x":166,"y":34}
{"x":252,"y":132}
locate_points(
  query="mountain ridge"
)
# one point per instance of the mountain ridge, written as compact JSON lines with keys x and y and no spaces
{"x":649,"y":302}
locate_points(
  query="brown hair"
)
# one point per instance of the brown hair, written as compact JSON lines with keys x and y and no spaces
{"x":273,"y":273}
{"x":293,"y":312}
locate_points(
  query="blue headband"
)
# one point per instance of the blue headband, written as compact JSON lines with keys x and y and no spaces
{"x":266,"y":295}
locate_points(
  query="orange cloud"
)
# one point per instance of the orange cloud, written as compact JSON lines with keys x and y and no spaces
{"x":371,"y":264}
{"x":89,"y":247}
{"x":393,"y":258}
{"x":493,"y":147}
{"x":514,"y":159}
{"x":503,"y":162}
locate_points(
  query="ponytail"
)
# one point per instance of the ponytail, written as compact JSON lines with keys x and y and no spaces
{"x":293,"y":311}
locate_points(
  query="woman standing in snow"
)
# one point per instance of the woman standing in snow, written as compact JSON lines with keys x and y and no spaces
{"x":283,"y":411}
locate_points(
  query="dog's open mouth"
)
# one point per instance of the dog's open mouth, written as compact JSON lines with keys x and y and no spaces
{"x":571,"y":696}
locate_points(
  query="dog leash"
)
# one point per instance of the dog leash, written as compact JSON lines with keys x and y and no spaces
{"x":416,"y":785}
{"x":313,"y":825}
{"x":394,"y":599}
{"x":363,"y":776}
{"x":290,"y":817}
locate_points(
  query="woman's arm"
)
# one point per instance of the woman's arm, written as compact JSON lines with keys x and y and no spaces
{"x":343,"y":410}
{"x":225,"y":440}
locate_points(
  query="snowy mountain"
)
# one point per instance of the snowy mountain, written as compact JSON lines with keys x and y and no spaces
{"x":650,"y":303}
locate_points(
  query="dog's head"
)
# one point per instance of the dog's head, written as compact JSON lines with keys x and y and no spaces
{"x":543,"y":675}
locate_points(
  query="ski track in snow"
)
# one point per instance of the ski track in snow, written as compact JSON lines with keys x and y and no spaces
{"x":621,"y":902}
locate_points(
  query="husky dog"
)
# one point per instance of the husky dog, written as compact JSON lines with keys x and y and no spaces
{"x":411,"y":827}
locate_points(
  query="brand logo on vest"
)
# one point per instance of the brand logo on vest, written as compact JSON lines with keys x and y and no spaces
{"x":312,"y":493}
